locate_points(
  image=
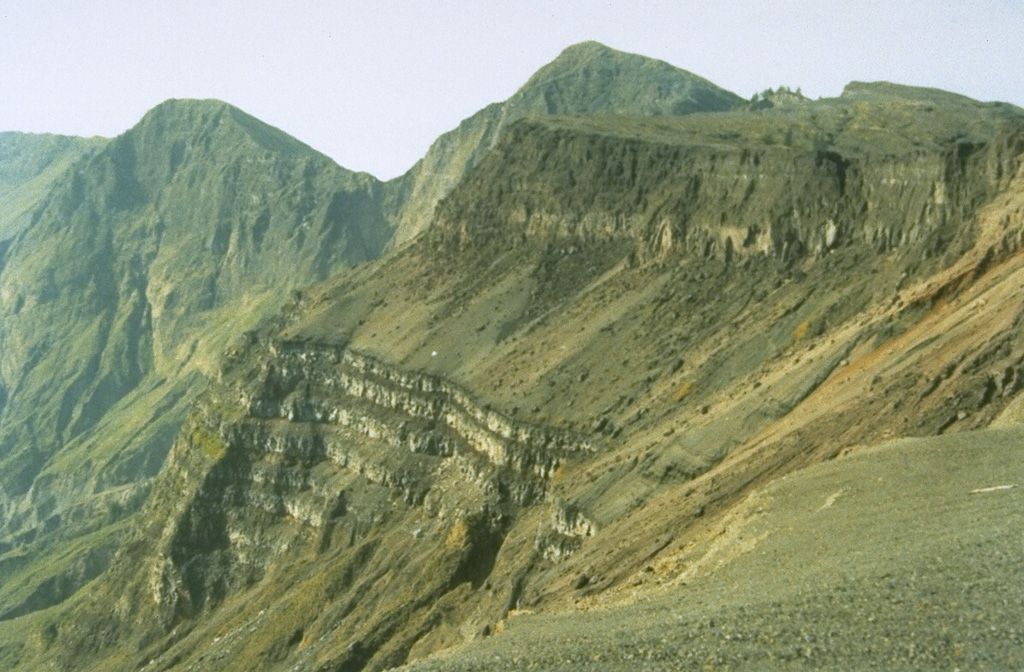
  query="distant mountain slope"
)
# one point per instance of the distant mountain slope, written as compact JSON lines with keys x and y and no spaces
{"x":587,"y":78}
{"x":29,"y":166}
{"x":143,"y":260}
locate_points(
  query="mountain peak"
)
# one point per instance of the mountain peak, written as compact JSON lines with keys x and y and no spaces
{"x":191,"y":111}
{"x":586,"y":79}
{"x":184,"y":104}
{"x":591,"y":78}
{"x":588,"y":49}
{"x":188,"y":118}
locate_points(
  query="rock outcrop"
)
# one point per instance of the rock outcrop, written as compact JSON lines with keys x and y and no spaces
{"x":781,"y":184}
{"x":313,"y":450}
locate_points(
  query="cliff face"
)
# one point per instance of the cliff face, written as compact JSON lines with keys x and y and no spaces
{"x":586,"y":79}
{"x":396,"y":483}
{"x":784,"y":184}
{"x":303,"y":382}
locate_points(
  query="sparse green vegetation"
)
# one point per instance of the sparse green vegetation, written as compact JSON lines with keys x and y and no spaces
{"x":206,"y":440}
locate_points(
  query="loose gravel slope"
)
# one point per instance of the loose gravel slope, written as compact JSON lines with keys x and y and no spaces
{"x":907,"y":555}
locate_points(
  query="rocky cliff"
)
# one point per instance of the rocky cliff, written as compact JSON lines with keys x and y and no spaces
{"x":785,"y":184}
{"x":397,"y":484}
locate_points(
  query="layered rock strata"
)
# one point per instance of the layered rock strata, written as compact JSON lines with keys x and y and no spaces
{"x":781,"y":186}
{"x":311,"y":447}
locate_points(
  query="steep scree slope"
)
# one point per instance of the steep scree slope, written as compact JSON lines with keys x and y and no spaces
{"x":805,"y":574}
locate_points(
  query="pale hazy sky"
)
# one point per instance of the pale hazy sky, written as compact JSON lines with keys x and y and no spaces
{"x":372,"y":83}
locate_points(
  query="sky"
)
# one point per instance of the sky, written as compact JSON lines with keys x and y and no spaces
{"x":373,"y":83}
